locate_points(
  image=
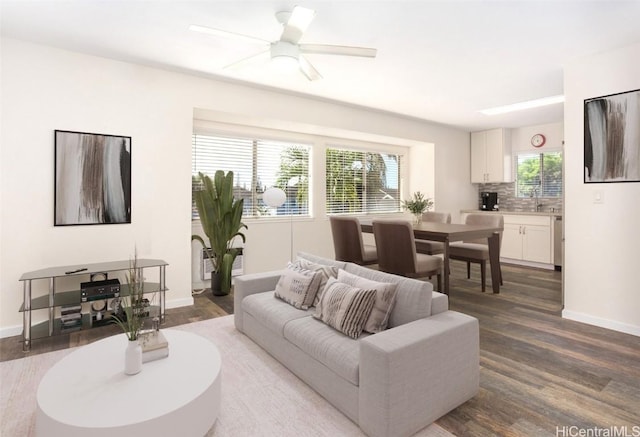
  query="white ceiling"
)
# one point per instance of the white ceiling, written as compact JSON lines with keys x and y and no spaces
{"x":437,"y":60}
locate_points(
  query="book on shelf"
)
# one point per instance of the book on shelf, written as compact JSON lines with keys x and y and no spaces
{"x":155,"y":354}
{"x":153,"y":340}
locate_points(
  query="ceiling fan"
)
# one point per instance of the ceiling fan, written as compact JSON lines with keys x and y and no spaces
{"x":288,"y":50}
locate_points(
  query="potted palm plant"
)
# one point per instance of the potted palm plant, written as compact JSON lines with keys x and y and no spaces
{"x":417,"y":205}
{"x":221,"y":218}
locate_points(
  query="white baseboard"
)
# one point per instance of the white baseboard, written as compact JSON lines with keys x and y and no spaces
{"x":603,"y":323}
{"x":177,"y":303}
{"x":11,"y":331}
{"x":520,"y":262}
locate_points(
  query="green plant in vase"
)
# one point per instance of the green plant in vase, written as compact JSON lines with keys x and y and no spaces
{"x":132,"y":318}
{"x":417,"y":205}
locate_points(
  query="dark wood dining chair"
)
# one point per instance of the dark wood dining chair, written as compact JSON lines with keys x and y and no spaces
{"x":432,"y":247}
{"x":397,"y":252}
{"x":347,"y":241}
{"x":477,"y":251}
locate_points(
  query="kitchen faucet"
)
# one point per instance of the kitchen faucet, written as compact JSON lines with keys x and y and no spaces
{"x":534,"y":193}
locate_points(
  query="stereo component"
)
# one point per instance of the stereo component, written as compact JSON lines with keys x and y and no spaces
{"x":97,"y":290}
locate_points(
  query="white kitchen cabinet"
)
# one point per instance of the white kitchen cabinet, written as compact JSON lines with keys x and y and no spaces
{"x":527,"y":238}
{"x":511,"y":241}
{"x":491,"y":156}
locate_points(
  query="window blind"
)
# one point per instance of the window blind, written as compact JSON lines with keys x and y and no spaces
{"x":539,"y":174}
{"x":257,"y":164}
{"x":362,"y":181}
{"x":552,"y":174}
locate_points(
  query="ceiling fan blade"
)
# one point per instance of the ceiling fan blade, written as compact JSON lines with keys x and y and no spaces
{"x":263,"y":55}
{"x":308,"y":69}
{"x":226,"y":34}
{"x":297,"y":24}
{"x":324,"y":49}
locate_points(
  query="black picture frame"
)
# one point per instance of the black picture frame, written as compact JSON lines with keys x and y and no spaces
{"x":612,"y":138}
{"x":92,"y":179}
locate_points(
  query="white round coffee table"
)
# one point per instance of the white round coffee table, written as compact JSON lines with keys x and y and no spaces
{"x":87,"y":392}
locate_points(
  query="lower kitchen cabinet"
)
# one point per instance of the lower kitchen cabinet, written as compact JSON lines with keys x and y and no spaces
{"x":527,"y":238}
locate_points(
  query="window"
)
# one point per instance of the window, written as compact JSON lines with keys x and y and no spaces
{"x":362,"y":182}
{"x":257,"y":165}
{"x":539,"y":174}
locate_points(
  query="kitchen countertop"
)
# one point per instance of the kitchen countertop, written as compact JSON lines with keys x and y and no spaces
{"x":508,"y":212}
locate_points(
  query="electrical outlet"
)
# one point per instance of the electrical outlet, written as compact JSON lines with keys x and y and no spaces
{"x":598,"y":196}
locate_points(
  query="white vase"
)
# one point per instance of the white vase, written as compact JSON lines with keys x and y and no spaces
{"x":132,"y":358}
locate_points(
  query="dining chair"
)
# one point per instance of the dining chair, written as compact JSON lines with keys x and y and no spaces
{"x":432,"y":247}
{"x":397,"y":251}
{"x":477,"y":251}
{"x":347,"y":241}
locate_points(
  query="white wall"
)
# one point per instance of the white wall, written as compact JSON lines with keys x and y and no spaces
{"x":553,"y":132}
{"x":44,"y":89}
{"x":422,"y":175}
{"x":453,"y":178}
{"x":601,"y":240}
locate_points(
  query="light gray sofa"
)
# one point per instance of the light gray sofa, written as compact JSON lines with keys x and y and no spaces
{"x":392,"y":383}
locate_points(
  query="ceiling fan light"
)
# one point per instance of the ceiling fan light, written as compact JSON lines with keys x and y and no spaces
{"x":284,"y":63}
{"x":285,"y":56}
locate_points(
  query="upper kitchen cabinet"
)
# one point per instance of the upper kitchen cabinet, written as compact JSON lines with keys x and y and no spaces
{"x":491,"y":156}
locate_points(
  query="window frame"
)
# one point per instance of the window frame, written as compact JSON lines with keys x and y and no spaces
{"x":365,"y":149}
{"x":257,"y":139}
{"x":208,"y":123}
{"x":541,"y":154}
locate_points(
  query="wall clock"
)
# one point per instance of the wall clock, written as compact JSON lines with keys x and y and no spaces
{"x":538,"y":140}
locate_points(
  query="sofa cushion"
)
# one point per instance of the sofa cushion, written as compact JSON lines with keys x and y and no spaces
{"x":298,"y":286}
{"x":345,"y":308}
{"x":413,"y":297}
{"x":271,"y":312}
{"x":385,"y":298}
{"x":338,"y":352}
{"x":325,"y":272}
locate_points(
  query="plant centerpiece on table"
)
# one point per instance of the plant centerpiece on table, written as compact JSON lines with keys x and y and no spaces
{"x":417,"y":205}
{"x":131,"y":319}
{"x":221,"y":218}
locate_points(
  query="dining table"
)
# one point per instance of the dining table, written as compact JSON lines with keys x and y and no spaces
{"x":452,"y":232}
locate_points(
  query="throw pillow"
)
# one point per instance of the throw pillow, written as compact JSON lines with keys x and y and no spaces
{"x":325,"y":271}
{"x":385,"y":299}
{"x":298,"y":287}
{"x":345,"y":308}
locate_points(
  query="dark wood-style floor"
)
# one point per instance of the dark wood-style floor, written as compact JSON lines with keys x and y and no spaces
{"x":541,"y":375}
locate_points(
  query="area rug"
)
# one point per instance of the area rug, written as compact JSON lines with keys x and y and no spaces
{"x":259,"y":395}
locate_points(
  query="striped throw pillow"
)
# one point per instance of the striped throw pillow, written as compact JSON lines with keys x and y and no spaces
{"x":385,"y":299}
{"x":325,"y":271}
{"x":298,"y":287}
{"x":345,"y":308}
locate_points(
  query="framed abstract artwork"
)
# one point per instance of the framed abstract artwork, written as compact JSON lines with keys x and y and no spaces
{"x":612,"y":138}
{"x":92,"y":179}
